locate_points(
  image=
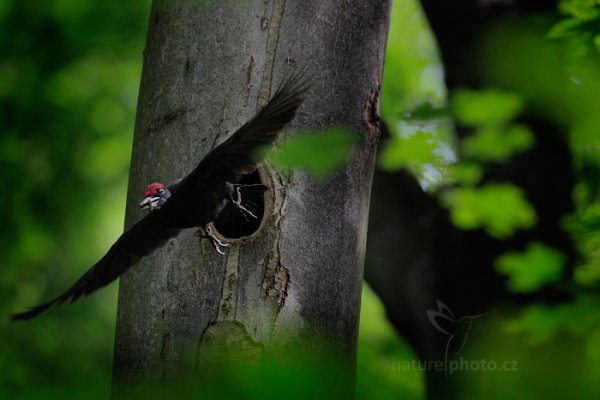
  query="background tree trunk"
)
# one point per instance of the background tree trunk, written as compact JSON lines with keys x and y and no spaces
{"x":208,"y":67}
{"x":415,"y":254}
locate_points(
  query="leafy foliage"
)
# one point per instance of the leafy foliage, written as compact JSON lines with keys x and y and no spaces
{"x":490,"y":107}
{"x":495,"y":138}
{"x":581,"y":26}
{"x":497,"y":145}
{"x":532,"y":269}
{"x":498,"y":208}
{"x":70,"y":71}
{"x":466,"y":173}
{"x":413,"y":73}
{"x":523,"y":69}
{"x":541,"y":323}
{"x":411,"y":151}
{"x":379,"y":347}
{"x":318,"y":153}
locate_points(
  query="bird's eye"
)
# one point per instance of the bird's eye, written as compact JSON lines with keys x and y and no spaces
{"x":161,"y":191}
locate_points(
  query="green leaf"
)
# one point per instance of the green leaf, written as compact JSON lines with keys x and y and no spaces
{"x":415,"y":149}
{"x":580,"y":9}
{"x":465,"y":173}
{"x":426,"y":112}
{"x":597,"y":42}
{"x":565,"y":28}
{"x":588,"y":274}
{"x":496,"y":144}
{"x":319,"y":153}
{"x":532,"y":269}
{"x":485,"y":107}
{"x":541,"y":323}
{"x":500,"y":209}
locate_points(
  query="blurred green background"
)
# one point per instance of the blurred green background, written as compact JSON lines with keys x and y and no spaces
{"x":69,"y":75}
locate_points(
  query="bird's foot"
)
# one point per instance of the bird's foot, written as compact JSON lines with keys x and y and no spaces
{"x":237,"y":200}
{"x":207,"y":233}
{"x":215,"y":240}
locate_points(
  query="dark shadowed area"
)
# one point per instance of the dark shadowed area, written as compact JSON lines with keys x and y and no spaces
{"x":485,"y":223}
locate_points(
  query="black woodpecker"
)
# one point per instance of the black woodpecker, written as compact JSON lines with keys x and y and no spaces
{"x":193,"y":201}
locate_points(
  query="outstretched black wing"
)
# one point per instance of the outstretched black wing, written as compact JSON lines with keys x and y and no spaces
{"x":226,"y":163}
{"x":137,"y":242}
{"x":237,"y":155}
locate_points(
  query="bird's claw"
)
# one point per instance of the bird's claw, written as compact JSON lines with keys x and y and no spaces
{"x":237,"y":200}
{"x":217,"y":248}
{"x":207,"y":233}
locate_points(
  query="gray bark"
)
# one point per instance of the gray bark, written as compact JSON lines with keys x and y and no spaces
{"x":208,"y":66}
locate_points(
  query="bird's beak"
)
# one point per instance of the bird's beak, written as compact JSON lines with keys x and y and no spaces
{"x":149,"y":203}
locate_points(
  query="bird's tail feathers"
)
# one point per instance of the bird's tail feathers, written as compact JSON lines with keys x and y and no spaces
{"x":76,"y":291}
{"x":35,"y":311}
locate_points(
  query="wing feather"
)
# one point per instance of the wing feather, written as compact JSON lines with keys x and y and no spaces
{"x":236,"y":156}
{"x":228,"y":162}
{"x":134,"y":244}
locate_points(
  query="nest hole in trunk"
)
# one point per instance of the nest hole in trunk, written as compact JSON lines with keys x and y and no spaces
{"x":235,"y":223}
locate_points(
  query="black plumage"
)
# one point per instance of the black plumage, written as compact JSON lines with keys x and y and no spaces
{"x":194,"y":201}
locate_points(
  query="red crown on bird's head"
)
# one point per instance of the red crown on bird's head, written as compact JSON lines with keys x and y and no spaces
{"x":152,"y":188}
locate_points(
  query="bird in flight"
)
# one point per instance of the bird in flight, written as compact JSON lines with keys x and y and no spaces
{"x":193,"y":201}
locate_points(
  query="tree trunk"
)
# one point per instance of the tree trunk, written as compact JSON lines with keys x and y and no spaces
{"x":429,"y":259}
{"x":208,"y":67}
